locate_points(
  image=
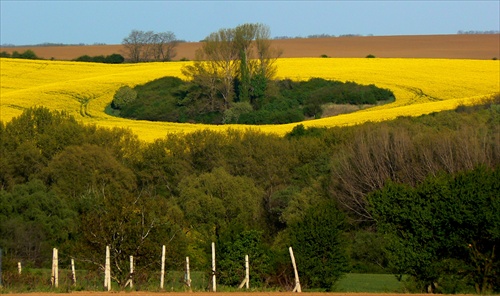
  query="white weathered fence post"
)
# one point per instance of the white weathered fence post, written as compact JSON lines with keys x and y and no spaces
{"x":73,"y":273}
{"x":130,"y":281}
{"x":131,"y":271}
{"x":55,"y":269}
{"x":246,"y":281}
{"x":188,"y":274}
{"x":162,"y":278}
{"x":214,"y":280}
{"x":247,"y":272}
{"x":19,"y":267}
{"x":297,"y":281}
{"x":107,"y":271}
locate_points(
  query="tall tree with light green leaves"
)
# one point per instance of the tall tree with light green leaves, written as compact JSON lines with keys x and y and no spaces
{"x":241,"y":58}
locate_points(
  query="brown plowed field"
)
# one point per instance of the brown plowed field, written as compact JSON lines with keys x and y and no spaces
{"x":217,"y":294}
{"x":480,"y":46}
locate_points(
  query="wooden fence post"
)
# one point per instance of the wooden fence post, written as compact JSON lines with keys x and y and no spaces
{"x":131,"y":271}
{"x":130,"y":276}
{"x":214,"y":284}
{"x":107,"y":271}
{"x":246,"y":281}
{"x":55,"y":269}
{"x":297,"y":281}
{"x":162,"y":278}
{"x":19,"y":267}
{"x":73,"y":273}
{"x":188,"y":275}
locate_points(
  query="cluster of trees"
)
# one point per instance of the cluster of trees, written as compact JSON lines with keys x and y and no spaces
{"x":27,"y":54}
{"x":147,"y":46}
{"x":109,"y":59}
{"x":233,"y":65}
{"x":232,"y":81}
{"x":413,"y":196}
{"x":169,"y":99}
{"x":445,"y":231}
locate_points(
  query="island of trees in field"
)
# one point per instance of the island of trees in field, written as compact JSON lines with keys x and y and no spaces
{"x":233,"y":81}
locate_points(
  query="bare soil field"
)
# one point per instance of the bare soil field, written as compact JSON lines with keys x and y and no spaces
{"x":480,"y":46}
{"x":220,"y":294}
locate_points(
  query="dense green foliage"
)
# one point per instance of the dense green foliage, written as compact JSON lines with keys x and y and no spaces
{"x":33,"y":219}
{"x":317,"y":240}
{"x":255,"y":194}
{"x":445,"y":231}
{"x":27,"y":54}
{"x":30,"y":54}
{"x":109,"y":59}
{"x":281,"y":101}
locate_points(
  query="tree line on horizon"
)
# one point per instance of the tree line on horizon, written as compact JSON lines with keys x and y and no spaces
{"x":330,"y":193}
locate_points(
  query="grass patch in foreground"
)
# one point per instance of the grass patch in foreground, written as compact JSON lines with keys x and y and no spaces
{"x":374,"y":283}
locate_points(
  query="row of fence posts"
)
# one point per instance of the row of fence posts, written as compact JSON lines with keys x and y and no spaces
{"x":54,"y":278}
{"x":107,"y":271}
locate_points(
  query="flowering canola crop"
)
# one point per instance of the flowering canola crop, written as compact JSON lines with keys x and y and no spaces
{"x":421,"y":86}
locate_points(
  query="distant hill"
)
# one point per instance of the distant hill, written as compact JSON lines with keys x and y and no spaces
{"x":459,"y":46}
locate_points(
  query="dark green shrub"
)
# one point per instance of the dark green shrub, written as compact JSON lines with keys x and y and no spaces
{"x":114,"y":59}
{"x":232,"y":114}
{"x":84,"y":58}
{"x":312,"y":110}
{"x":28,"y":54}
{"x":123,"y":96}
{"x":110,"y":59}
{"x":99,"y":59}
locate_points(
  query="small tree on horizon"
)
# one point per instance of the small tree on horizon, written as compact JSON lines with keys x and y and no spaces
{"x":142,"y":46}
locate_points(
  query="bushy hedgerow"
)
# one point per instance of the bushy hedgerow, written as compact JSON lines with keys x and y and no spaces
{"x":27,"y":54}
{"x":110,"y":59}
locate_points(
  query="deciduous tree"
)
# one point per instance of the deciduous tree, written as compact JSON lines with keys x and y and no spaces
{"x":131,"y":224}
{"x":448,"y":225}
{"x":240,"y":57}
{"x":319,"y":247}
{"x":145,"y":46}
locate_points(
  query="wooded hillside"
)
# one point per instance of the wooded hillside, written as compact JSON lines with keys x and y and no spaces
{"x":79,"y":188}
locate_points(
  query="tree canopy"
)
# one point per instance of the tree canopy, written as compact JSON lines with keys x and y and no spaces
{"x":429,"y":185}
{"x":445,"y":229}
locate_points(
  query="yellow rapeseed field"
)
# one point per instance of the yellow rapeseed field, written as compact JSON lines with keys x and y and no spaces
{"x":421,"y":86}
